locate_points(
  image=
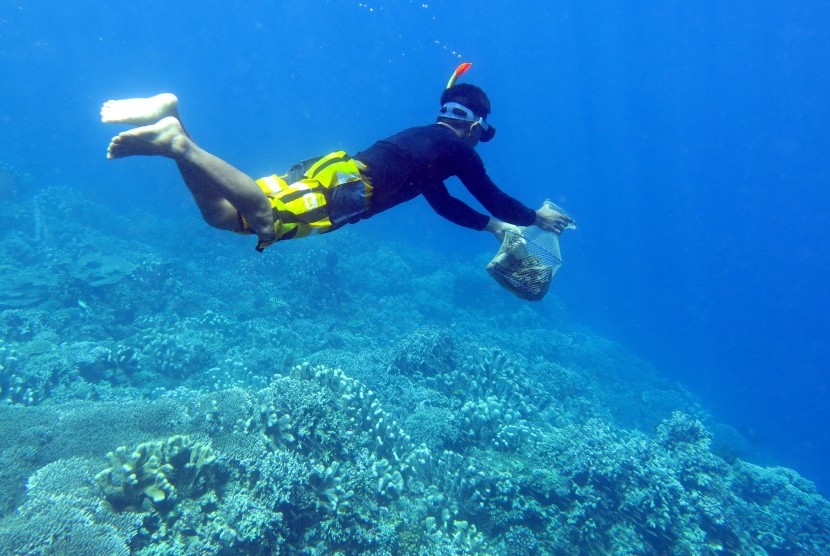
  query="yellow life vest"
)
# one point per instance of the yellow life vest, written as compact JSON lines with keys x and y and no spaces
{"x":316,"y":196}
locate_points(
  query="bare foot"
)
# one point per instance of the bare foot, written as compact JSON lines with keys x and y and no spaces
{"x":140,"y":111}
{"x":163,"y":138}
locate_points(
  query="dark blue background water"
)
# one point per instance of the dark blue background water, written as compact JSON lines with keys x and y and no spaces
{"x":689,"y":139}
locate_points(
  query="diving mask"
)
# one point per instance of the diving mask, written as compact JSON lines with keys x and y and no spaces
{"x":456,"y":111}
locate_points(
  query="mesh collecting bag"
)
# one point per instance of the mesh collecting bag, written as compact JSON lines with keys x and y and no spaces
{"x":527,"y":260}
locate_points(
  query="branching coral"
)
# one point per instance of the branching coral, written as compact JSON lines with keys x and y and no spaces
{"x":493,"y":421}
{"x":367,"y":422}
{"x":327,"y":482}
{"x":294,"y":415}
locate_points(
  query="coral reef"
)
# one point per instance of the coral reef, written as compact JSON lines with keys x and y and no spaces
{"x":314,"y":460}
{"x":153,"y":403}
{"x":154,"y":472}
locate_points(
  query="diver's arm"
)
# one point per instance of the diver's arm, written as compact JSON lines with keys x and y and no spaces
{"x":470,"y":170}
{"x":454,"y":210}
{"x":505,"y":207}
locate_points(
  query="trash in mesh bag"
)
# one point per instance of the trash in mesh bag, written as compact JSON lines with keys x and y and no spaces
{"x":527,"y":260}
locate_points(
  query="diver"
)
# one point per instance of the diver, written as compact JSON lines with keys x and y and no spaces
{"x":325,"y":193}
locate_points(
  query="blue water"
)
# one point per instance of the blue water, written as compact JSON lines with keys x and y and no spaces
{"x":689,"y":139}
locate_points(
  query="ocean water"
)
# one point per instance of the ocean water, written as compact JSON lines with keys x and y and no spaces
{"x":688,"y":139}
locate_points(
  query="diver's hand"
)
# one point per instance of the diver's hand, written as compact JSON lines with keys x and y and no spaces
{"x":499,"y":228}
{"x":552,"y":220}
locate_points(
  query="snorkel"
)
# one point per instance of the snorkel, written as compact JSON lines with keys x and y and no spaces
{"x":457,"y":111}
{"x":459,"y":71}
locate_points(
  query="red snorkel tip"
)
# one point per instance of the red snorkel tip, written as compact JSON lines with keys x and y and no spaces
{"x":462,"y":68}
{"x":459,"y":71}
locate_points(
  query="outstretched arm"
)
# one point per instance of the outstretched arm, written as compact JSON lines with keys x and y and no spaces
{"x":470,"y":170}
{"x":454,"y":210}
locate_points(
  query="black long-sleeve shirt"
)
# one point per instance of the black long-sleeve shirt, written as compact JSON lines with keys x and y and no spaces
{"x":418,"y":160}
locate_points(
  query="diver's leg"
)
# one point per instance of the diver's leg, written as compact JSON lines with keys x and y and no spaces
{"x":148,"y":110}
{"x":218,"y":188}
{"x":140,"y":111}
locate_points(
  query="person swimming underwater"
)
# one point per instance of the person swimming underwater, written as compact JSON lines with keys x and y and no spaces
{"x":325,"y":193}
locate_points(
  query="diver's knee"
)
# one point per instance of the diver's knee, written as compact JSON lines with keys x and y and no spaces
{"x":262,"y":227}
{"x":261,"y":219}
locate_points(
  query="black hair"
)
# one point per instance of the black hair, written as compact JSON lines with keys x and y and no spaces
{"x":468,"y":95}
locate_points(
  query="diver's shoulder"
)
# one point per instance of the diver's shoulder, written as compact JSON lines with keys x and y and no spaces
{"x":421,"y":135}
{"x":435,"y":130}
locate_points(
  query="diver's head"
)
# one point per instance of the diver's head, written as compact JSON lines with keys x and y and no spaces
{"x":465,"y":107}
